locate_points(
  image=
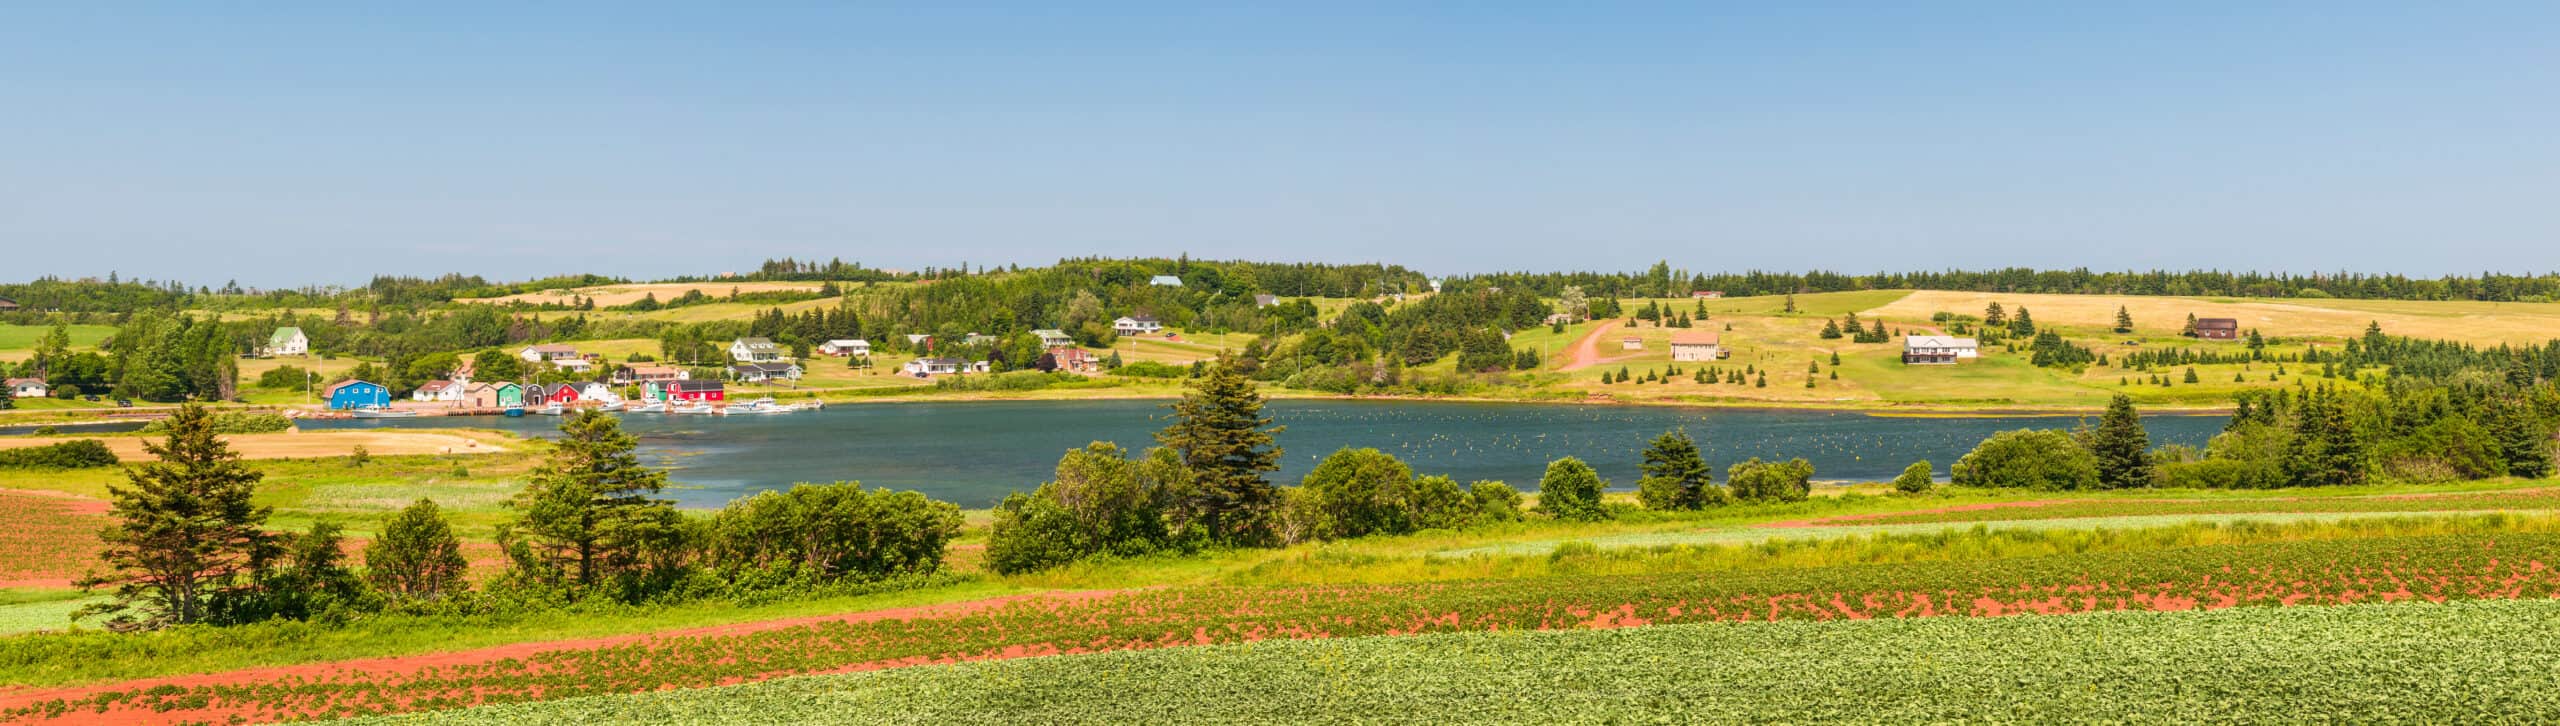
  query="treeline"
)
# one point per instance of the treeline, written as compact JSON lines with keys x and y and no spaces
{"x":189,"y":546}
{"x":1662,"y":281}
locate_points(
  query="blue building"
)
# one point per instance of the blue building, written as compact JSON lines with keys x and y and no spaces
{"x":357,"y":394}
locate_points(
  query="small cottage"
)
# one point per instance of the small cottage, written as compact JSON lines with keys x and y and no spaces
{"x":649,"y":372}
{"x":1264,"y":300}
{"x":599,"y":394}
{"x":552,"y":353}
{"x":1071,"y":358}
{"x":353,"y":395}
{"x":845,"y":348}
{"x":438,"y":391}
{"x":2218,"y":328}
{"x":1165,"y":281}
{"x":1053,"y":338}
{"x":1697,"y":346}
{"x":1631,"y":343}
{"x":27,"y":388}
{"x":764,"y":372}
{"x":934,"y":366}
{"x":8,"y":305}
{"x":509,"y":395}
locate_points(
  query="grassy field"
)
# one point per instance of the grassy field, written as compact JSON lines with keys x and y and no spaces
{"x":2476,"y":322}
{"x":617,"y":295}
{"x":18,"y":342}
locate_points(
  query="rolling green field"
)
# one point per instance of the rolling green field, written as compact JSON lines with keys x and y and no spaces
{"x":17,"y":342}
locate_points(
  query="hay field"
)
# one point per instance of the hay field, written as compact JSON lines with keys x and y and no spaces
{"x":2475,"y":322}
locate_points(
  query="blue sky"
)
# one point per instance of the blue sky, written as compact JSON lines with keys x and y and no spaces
{"x":283,"y":145}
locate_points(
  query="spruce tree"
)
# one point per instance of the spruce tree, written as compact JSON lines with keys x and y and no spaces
{"x":2190,"y":330}
{"x":2124,"y":320}
{"x":589,"y":513}
{"x":186,"y":534}
{"x":417,"y":556}
{"x":1223,"y":437}
{"x":1675,"y":476}
{"x":2324,"y":451}
{"x":1994,"y":317}
{"x":2122,"y":447}
{"x":8,"y":397}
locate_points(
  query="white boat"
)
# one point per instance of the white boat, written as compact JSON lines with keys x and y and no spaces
{"x":695,"y":407}
{"x":659,"y":407}
{"x":551,"y":410}
{"x":383,"y":413}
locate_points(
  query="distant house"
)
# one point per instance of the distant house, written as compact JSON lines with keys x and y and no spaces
{"x":599,"y":393}
{"x":649,"y":372}
{"x":1560,"y":319}
{"x":479,"y":395}
{"x":1137,"y":325}
{"x":507,"y":395}
{"x":691,"y":390}
{"x":762,"y":372}
{"x":1706,"y":294}
{"x":845,"y":348}
{"x":574,"y":365}
{"x":1053,"y":338}
{"x":1165,"y":281}
{"x":1631,"y":343}
{"x":935,"y":366}
{"x":978,"y":339}
{"x":754,"y":350}
{"x":438,"y":391}
{"x":917,"y":339}
{"x":461,"y":372}
{"x":27,"y":388}
{"x":552,"y":353}
{"x":1435,"y":286}
{"x":2218,"y":328}
{"x":1938,"y":350}
{"x":1702,"y":346}
{"x":564,"y":394}
{"x":8,"y":305}
{"x":286,"y":341}
{"x":1264,"y":300}
{"x":1071,"y":358}
{"x":350,"y":395}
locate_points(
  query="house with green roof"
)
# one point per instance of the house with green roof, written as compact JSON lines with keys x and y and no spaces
{"x":287,"y":341}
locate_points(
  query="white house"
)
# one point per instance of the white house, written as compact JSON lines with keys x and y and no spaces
{"x":1699,"y":346}
{"x":935,"y":366}
{"x":845,"y":348}
{"x":1137,"y":325}
{"x":27,"y":388}
{"x":439,"y":391}
{"x":548,"y":353}
{"x":754,"y":350}
{"x":599,"y":393}
{"x":917,"y":339}
{"x":287,"y":341}
{"x":1165,"y":281}
{"x":1631,"y":343}
{"x":1938,"y":349}
{"x":1053,"y":338}
{"x":762,"y":372}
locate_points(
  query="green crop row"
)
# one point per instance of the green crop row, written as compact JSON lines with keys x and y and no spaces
{"x":2434,"y":568}
{"x":2522,"y":500}
{"x":2430,"y":663}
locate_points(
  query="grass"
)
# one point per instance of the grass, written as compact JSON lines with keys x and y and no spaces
{"x":2475,"y":322}
{"x":29,"y":610}
{"x":18,"y":342}
{"x":2296,"y":663}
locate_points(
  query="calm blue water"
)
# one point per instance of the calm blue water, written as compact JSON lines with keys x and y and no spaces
{"x":973,"y":453}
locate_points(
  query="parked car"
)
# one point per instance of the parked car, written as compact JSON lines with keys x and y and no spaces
{"x":124,"y":403}
{"x":92,"y":398}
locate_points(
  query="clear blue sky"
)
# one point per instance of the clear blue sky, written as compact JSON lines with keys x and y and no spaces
{"x":285,"y":145}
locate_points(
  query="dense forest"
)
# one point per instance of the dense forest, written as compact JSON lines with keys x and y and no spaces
{"x":1663,"y":281}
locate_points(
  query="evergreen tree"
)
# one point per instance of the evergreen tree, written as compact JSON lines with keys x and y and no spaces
{"x":1791,"y":303}
{"x":2324,"y":451}
{"x":2122,"y":447}
{"x":589,"y":514}
{"x":186,"y":534}
{"x":1223,"y":437}
{"x":1994,"y":317}
{"x":2191,"y":375}
{"x":1830,"y":330}
{"x":1835,"y":359}
{"x":2124,"y":320}
{"x":2523,"y":441}
{"x":1762,"y":381}
{"x":2024,"y":325}
{"x":1675,"y":476}
{"x":2190,"y":330}
{"x":417,"y":556}
{"x":8,"y":397}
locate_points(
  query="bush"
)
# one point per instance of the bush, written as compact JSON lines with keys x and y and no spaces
{"x":2221,"y":474}
{"x":241,"y":422}
{"x":829,"y":532}
{"x":1361,"y":491}
{"x":74,"y":454}
{"x":285,"y":377}
{"x":1914,"y":478}
{"x":2028,"y":459}
{"x":417,"y":556}
{"x":1771,"y":481}
{"x":1495,"y":501}
{"x":1571,"y":491}
{"x":1099,"y":502}
{"x":1151,"y":369}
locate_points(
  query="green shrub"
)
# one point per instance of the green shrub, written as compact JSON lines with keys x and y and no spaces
{"x":1771,"y":481}
{"x":238,"y":422}
{"x":1151,"y":369}
{"x":2028,"y":459}
{"x":74,"y":454}
{"x":1570,"y":490}
{"x":1914,"y":478}
{"x":1098,"y":502}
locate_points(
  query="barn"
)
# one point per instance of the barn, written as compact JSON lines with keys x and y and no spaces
{"x":352,"y":395}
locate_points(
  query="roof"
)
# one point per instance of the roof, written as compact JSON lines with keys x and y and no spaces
{"x":652,"y":368}
{"x":941,"y":361}
{"x":1166,"y":280}
{"x":1140,"y":318}
{"x":1938,"y":341}
{"x":434,"y":386}
{"x":332,"y":390}
{"x":283,"y":334}
{"x":756,"y":343}
{"x":16,"y":382}
{"x":762,"y":367}
{"x":1702,"y":338}
{"x":694,"y":385}
{"x":849,"y":343}
{"x":553,"y":348}
{"x":1046,"y":333}
{"x":2218,"y":323}
{"x":1265,"y":298}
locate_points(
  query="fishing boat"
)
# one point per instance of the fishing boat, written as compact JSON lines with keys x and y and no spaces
{"x":695,"y":407}
{"x":657,"y":407}
{"x":515,"y":412}
{"x":383,"y":413}
{"x":551,"y":410}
